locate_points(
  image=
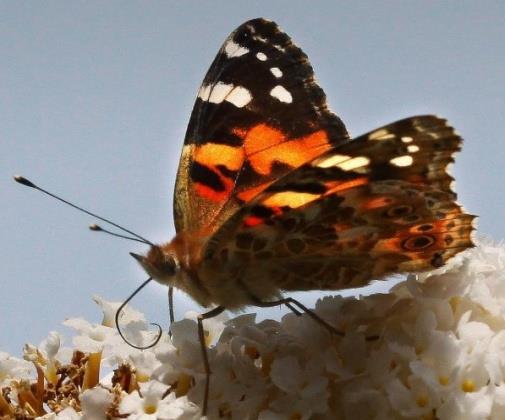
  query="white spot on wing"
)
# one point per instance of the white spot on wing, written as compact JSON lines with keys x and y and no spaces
{"x":412,"y":148}
{"x":332,"y":161}
{"x":407,"y":139}
{"x":261,"y":56}
{"x":204,"y":92}
{"x":219,"y":92}
{"x":232,"y":49}
{"x":260,"y":38}
{"x":236,"y":95}
{"x":239,"y":96}
{"x":279,"y":92}
{"x":276,"y":71}
{"x":381,"y":134}
{"x":405,"y":160}
{"x":354,"y":163}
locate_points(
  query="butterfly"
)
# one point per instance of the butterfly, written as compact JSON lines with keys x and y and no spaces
{"x":272,"y":194}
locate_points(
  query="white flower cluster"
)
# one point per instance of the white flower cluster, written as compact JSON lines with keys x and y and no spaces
{"x":433,"y":348}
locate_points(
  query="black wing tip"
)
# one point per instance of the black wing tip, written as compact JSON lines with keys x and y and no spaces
{"x":258,"y":26}
{"x":427,"y":119}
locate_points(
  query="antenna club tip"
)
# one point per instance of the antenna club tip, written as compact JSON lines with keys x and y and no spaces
{"x":22,"y":180}
{"x":95,"y":227}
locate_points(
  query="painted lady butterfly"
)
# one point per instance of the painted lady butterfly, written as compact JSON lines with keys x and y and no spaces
{"x":272,"y":195}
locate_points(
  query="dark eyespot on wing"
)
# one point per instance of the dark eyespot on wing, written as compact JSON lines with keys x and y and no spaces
{"x":418,"y":242}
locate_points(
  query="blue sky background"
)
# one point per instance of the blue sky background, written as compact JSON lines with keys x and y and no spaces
{"x":95,"y":97}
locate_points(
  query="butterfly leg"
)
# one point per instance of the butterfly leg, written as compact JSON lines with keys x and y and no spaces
{"x":293,"y":309}
{"x":201,"y":335}
{"x":291,"y":303}
{"x":171,"y":309}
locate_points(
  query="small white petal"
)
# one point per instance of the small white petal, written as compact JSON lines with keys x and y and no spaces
{"x":95,"y":402}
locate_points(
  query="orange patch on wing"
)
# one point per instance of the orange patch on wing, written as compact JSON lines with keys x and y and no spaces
{"x":340,"y":186}
{"x":264,"y":145}
{"x":251,"y":221}
{"x":249,"y":194}
{"x":261,"y":137}
{"x":212,"y":155}
{"x":375,"y":203}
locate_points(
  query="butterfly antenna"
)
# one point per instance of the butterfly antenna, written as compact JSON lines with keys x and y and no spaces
{"x":22,"y":180}
{"x":118,"y":314}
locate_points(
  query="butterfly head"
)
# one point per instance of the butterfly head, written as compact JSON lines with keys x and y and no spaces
{"x":161,"y":266}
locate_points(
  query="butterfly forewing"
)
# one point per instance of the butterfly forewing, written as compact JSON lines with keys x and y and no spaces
{"x":258,"y":115}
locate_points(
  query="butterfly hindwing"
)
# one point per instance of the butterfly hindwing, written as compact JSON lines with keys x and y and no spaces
{"x":258,"y":115}
{"x":376,"y":205}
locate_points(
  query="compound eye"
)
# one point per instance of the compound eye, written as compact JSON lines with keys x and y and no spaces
{"x":169,"y":266}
